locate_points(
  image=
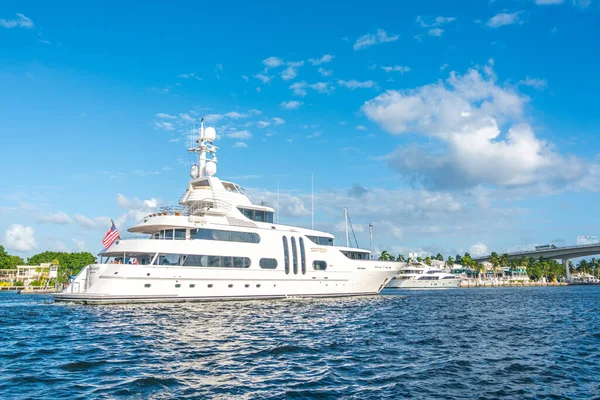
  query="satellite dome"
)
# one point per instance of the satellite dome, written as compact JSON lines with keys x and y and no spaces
{"x":210,"y":134}
{"x":211,"y":167}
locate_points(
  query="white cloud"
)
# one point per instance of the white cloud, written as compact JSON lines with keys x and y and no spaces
{"x":20,"y":238}
{"x":236,"y":115}
{"x":433,"y":22}
{"x":278,"y":121}
{"x":60,"y":218}
{"x":435,"y":32}
{"x":478,"y":250}
{"x":299,"y":88}
{"x":361,"y":128}
{"x":95,"y":223}
{"x":263,"y":78}
{"x":534,"y":83}
{"x":21,"y":22}
{"x":548,"y":2}
{"x":273,"y":62}
{"x":322,"y":87}
{"x":325,"y":59}
{"x":502,"y":19}
{"x":165,"y":116}
{"x":187,"y":118}
{"x":396,"y":68}
{"x":263,"y":124}
{"x":354,"y":84}
{"x":292,"y":70}
{"x":465,"y":115}
{"x":240,"y":144}
{"x":371,"y":39}
{"x":188,"y":76}
{"x":290,"y":105}
{"x":443,"y":67}
{"x":325,"y":72}
{"x":165,"y":126}
{"x":244,"y":135}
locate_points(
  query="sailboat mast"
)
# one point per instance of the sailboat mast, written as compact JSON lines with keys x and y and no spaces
{"x":346,"y":222}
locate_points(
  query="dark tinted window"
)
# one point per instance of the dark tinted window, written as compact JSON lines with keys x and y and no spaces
{"x":268,"y":263}
{"x":227,"y":236}
{"x":302,"y":256}
{"x":179,"y":234}
{"x":320,"y":265}
{"x":295,"y":256}
{"x":286,"y":255}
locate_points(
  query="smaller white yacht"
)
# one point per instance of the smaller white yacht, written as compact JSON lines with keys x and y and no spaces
{"x":417,"y":275}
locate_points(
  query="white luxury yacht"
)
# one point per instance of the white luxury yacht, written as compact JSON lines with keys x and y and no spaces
{"x":417,"y":275}
{"x":217,"y":245}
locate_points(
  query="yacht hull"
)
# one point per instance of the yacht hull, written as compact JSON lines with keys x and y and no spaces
{"x":111,"y":284}
{"x":430,"y":284}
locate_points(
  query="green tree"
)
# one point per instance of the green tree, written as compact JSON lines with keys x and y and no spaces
{"x":8,"y":261}
{"x":427,"y":260}
{"x":458,"y":259}
{"x":439,"y":257}
{"x":385,"y":256}
{"x":401,"y":258}
{"x":450,"y":261}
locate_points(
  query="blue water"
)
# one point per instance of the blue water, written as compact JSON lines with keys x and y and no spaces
{"x":515,"y":343}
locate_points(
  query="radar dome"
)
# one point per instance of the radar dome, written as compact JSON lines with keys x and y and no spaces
{"x":211,"y":168}
{"x":210,"y":134}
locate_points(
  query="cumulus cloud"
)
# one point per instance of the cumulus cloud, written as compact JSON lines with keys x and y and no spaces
{"x":354,"y":84}
{"x":240,"y":144}
{"x":322,"y":87}
{"x":435,"y":32}
{"x":396,"y":68}
{"x":165,"y":116}
{"x":278,"y":121}
{"x":370,"y":39}
{"x":290,"y":105}
{"x":60,"y":218}
{"x":325,"y":59}
{"x":479,"y":250}
{"x":21,"y":22}
{"x":503,"y":19}
{"x":20,"y":238}
{"x":292,"y":70}
{"x":92,"y":223}
{"x":466,"y":116}
{"x":535,"y":83}
{"x":165,"y":126}
{"x":325,"y":72}
{"x":263,"y":78}
{"x":273,"y":62}
{"x":548,"y":2}
{"x":244,"y":135}
{"x":299,"y":89}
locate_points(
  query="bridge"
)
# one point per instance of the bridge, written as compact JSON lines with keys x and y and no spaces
{"x":564,"y":253}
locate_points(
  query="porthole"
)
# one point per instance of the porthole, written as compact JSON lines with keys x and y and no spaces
{"x":116,"y":272}
{"x":192,"y":285}
{"x":258,"y":285}
{"x":230,"y":285}
{"x":147,"y":285}
{"x":178,"y":285}
{"x":246,"y":285}
{"x":210,"y":285}
{"x":148,"y":274}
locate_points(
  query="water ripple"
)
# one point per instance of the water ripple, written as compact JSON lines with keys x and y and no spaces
{"x":522,"y":343}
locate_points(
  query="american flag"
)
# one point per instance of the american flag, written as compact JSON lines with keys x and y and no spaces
{"x":111,"y":236}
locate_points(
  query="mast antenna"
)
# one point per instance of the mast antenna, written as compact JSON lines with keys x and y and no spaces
{"x":312,"y":200}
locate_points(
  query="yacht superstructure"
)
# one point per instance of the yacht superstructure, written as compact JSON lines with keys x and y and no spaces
{"x":217,"y":245}
{"x":417,"y":275}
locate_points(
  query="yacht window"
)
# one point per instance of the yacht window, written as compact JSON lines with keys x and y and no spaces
{"x":302,"y":256}
{"x":268,"y":263}
{"x":323,"y":241}
{"x":269,"y":217}
{"x":259,"y":216}
{"x":169,"y":234}
{"x":169,"y":259}
{"x":192,"y":260}
{"x":295,"y":256}
{"x":228,"y":236}
{"x":286,"y":256}
{"x":180,"y":234}
{"x":155,"y":236}
{"x":319,"y":265}
{"x":161,"y":235}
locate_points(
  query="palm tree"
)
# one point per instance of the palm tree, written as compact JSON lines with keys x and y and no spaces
{"x":401,"y":258}
{"x":439,"y":257}
{"x":385,"y":256}
{"x":427,"y":260}
{"x":450,"y":261}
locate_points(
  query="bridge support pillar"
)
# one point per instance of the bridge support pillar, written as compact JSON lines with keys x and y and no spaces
{"x":567,"y":271}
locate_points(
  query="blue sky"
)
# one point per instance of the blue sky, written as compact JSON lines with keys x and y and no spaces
{"x":450,"y":126}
